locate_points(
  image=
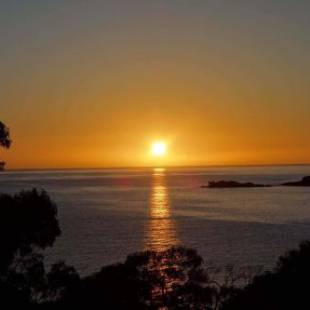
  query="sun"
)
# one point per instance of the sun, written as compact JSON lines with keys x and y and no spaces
{"x":158,"y":148}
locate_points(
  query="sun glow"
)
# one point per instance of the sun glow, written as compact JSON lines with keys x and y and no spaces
{"x":158,"y":148}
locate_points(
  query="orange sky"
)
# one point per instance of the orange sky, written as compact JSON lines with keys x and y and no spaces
{"x":93,"y":85}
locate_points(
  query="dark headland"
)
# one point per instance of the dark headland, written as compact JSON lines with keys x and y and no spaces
{"x":305,"y":181}
{"x":232,"y":184}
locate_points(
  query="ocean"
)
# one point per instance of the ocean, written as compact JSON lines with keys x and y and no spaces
{"x":106,"y":214}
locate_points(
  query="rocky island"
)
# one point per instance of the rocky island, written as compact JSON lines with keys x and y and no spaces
{"x":232,"y":184}
{"x":305,"y":181}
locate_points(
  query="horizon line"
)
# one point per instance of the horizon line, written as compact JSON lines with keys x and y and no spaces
{"x":153,"y":167}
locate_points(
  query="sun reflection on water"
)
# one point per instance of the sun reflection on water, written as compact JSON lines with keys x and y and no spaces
{"x":161,"y":231}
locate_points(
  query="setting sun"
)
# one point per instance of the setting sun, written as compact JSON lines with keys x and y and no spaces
{"x":158,"y":148}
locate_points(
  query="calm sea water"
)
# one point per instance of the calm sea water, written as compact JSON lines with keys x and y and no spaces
{"x":107,"y":214}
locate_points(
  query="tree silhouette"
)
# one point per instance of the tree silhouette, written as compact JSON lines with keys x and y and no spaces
{"x":5,"y":140}
{"x":286,"y":287}
{"x":169,"y":279}
{"x":63,"y":282}
{"x":28,"y":224}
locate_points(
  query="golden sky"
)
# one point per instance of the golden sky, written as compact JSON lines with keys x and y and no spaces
{"x":93,"y":83}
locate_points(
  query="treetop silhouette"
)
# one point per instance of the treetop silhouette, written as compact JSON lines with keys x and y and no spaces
{"x":5,"y":140}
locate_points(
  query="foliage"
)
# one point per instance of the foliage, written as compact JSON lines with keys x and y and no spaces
{"x":5,"y":140}
{"x":63,"y":282}
{"x":171,"y":279}
{"x":28,"y":224}
{"x":286,"y":287}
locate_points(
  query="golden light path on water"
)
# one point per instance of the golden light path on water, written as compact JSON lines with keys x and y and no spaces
{"x":160,"y":229}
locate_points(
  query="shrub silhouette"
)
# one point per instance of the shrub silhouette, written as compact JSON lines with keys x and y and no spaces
{"x":149,"y":280}
{"x":28,"y":224}
{"x":286,"y":287}
{"x":62,"y":283}
{"x":169,"y":279}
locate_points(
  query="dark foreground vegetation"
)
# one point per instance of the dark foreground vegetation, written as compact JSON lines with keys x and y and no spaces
{"x":176,"y":278}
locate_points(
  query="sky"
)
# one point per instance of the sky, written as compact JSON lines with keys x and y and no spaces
{"x":93,"y":83}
